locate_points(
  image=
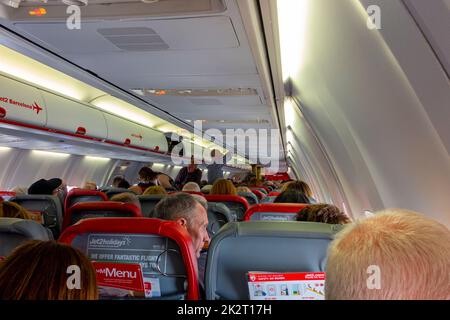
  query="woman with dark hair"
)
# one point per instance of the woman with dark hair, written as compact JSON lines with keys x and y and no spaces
{"x":37,"y":270}
{"x":149,"y":178}
{"x":326,"y":213}
{"x":291,"y":196}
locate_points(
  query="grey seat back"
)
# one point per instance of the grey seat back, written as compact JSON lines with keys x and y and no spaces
{"x":148,"y":203}
{"x":218,"y":216}
{"x":113,"y":191}
{"x":265,"y":246}
{"x":49,"y":206}
{"x":14,"y":232}
{"x":250,"y":196}
{"x":273,"y":216}
{"x":85,"y":198}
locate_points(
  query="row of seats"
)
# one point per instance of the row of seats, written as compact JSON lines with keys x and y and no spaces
{"x":238,"y":248}
{"x":228,"y":208}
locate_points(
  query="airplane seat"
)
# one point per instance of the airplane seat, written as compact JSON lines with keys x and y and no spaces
{"x":274,"y":211}
{"x":148,"y":203}
{"x":268,"y":199}
{"x":110,"y":192}
{"x":46,"y":209}
{"x":218,"y":216}
{"x":259,"y":194}
{"x":99,"y":209}
{"x":14,"y":232}
{"x":250,"y":196}
{"x":238,"y":205}
{"x":264,"y":246}
{"x":162,"y":248}
{"x":274,"y":193}
{"x":81,"y":195}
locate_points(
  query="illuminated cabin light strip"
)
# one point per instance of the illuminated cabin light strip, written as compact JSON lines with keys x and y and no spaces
{"x":97,"y":158}
{"x":50,"y":153}
{"x":5,"y":148}
{"x":292,"y":21}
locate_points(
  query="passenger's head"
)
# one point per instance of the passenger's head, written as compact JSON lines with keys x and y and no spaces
{"x":147,"y":175}
{"x":206,"y":189}
{"x":116,"y":181}
{"x":19,"y":190}
{"x":90,"y":185}
{"x":48,"y":187}
{"x":13,"y":210}
{"x":154,"y":190}
{"x":394,"y":255}
{"x":291,"y":196}
{"x":188,"y":213}
{"x":223,"y":186}
{"x":38,"y":270}
{"x":243,"y":189}
{"x":191,"y":186}
{"x":136,"y":189}
{"x":300,"y":186}
{"x":126,"y":197}
{"x":124,"y":184}
{"x":326,"y":213}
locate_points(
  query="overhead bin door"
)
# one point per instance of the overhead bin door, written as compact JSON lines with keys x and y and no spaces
{"x":130,"y":133}
{"x":73,"y":117}
{"x":21,"y":103}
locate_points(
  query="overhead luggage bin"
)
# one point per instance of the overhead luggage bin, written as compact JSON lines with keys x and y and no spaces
{"x":21,"y":103}
{"x":74,"y":117}
{"x":121,"y":131}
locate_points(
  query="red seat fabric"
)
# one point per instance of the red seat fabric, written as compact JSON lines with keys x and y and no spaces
{"x":274,"y":193}
{"x":80,"y":193}
{"x":143,"y":226}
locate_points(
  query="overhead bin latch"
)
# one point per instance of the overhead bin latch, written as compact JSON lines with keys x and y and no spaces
{"x":81,"y":131}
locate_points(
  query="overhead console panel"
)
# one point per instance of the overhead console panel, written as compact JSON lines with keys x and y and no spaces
{"x":111,"y":9}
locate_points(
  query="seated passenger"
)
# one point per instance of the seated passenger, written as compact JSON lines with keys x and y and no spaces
{"x":19,"y":190}
{"x":223,"y":186}
{"x":127,"y":198}
{"x":116,"y":181}
{"x":90,"y":185}
{"x":124,"y":184}
{"x":191,"y":186}
{"x":38,"y":270}
{"x":243,"y":189}
{"x":48,"y":187}
{"x":154,"y":190}
{"x":13,"y":210}
{"x":300,"y":186}
{"x":394,"y":255}
{"x":326,"y":213}
{"x":189,"y":213}
{"x":291,"y":196}
{"x":136,"y":189}
{"x":206,"y":189}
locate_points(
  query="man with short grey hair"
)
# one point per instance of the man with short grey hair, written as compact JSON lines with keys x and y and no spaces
{"x":190,"y":213}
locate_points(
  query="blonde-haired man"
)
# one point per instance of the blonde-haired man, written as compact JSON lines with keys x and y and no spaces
{"x":396,"y":254}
